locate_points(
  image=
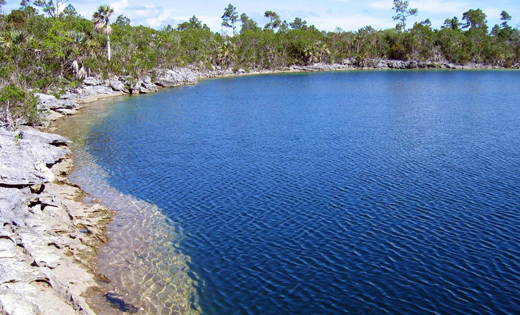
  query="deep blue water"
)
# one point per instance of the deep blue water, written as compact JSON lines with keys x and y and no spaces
{"x":392,"y":192}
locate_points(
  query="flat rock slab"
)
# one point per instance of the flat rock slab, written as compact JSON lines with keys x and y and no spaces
{"x":44,"y":256}
{"x":26,"y":155}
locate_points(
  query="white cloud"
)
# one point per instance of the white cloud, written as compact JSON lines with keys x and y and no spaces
{"x":439,"y":6}
{"x":426,"y":6}
{"x":157,"y":21}
{"x":352,"y":22}
{"x":380,"y":5}
{"x":493,"y":13}
{"x":214,"y":22}
{"x":119,"y":6}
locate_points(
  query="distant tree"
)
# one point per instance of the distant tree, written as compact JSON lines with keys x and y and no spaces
{"x":506,"y":31}
{"x":49,"y":7}
{"x":2,"y":3}
{"x":101,"y":19}
{"x":122,"y":20}
{"x":475,"y":20}
{"x":25,"y":6}
{"x":504,"y":16}
{"x":478,"y":42}
{"x":403,"y":12}
{"x":230,"y":17}
{"x":453,"y":24}
{"x":284,"y":27}
{"x":298,"y":24}
{"x":495,"y":31}
{"x":193,"y":23}
{"x":248,"y":24}
{"x":70,"y":11}
{"x":274,"y":20}
{"x":313,"y":28}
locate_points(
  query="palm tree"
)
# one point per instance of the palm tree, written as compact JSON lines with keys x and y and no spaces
{"x":101,"y":21}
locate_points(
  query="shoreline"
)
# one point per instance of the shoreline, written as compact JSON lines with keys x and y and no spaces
{"x":50,"y":238}
{"x":93,"y":89}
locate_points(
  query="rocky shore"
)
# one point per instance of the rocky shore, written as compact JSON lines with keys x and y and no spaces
{"x":93,"y":89}
{"x":48,"y":237}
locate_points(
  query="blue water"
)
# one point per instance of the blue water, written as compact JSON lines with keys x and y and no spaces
{"x":392,"y":192}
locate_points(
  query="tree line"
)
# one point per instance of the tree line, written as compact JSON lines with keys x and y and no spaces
{"x":48,"y":46}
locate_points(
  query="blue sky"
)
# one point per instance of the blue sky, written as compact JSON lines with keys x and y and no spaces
{"x":324,"y":14}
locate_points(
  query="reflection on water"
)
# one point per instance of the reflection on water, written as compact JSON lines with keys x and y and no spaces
{"x":147,"y":272}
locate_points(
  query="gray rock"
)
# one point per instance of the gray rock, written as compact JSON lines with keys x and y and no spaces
{"x":412,"y":64}
{"x":347,"y":62}
{"x":47,"y":103}
{"x":175,"y":77}
{"x":91,"y":93}
{"x":145,"y":86}
{"x":91,"y":81}
{"x":396,"y":64}
{"x":25,"y":156}
{"x":40,"y":246}
{"x":147,"y":80}
{"x":69,"y":96}
{"x":382,"y":64}
{"x":7,"y":248}
{"x":117,"y":85}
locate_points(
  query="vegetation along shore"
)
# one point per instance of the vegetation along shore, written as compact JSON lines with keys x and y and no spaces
{"x":52,"y":60}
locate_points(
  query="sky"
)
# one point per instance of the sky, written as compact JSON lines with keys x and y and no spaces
{"x":349,"y":15}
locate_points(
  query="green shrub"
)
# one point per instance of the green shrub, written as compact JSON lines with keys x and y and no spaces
{"x":18,"y":107}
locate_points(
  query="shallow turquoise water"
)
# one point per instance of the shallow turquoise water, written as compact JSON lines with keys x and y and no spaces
{"x":358,"y":192}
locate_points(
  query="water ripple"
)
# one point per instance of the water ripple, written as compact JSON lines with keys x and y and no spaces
{"x":365,"y":193}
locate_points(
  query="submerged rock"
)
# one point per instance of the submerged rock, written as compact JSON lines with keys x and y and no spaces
{"x":117,"y":301}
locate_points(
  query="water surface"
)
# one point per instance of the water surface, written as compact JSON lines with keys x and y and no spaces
{"x":375,"y":192}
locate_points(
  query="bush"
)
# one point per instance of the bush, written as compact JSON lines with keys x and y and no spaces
{"x":18,"y":107}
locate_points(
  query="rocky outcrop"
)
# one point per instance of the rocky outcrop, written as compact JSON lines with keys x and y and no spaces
{"x":53,"y":108}
{"x":27,"y":155}
{"x":47,"y":239}
{"x":146,"y":86}
{"x":175,"y":77}
{"x":321,"y":67}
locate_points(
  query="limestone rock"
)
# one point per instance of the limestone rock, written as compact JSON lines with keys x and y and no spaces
{"x":396,"y":64}
{"x":7,"y":248}
{"x":412,"y":64}
{"x":65,"y":106}
{"x":43,"y":255}
{"x":382,"y":64}
{"x":175,"y":77}
{"x":26,"y":155}
{"x":146,"y":86}
{"x":91,"y":81}
{"x":117,"y":85}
